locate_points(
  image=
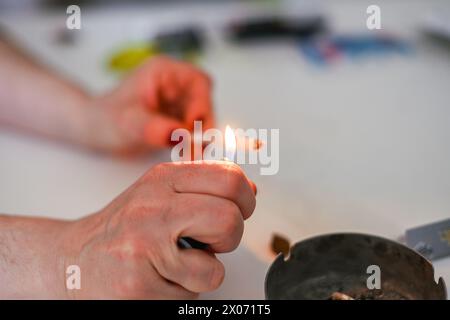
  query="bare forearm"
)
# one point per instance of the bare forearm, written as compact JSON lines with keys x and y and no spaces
{"x":31,"y":259}
{"x":37,"y":100}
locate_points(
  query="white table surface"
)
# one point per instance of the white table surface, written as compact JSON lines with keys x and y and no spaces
{"x":364,"y":145}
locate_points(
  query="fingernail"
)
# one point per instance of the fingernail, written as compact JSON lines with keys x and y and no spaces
{"x":257,"y":144}
{"x":255,"y":189}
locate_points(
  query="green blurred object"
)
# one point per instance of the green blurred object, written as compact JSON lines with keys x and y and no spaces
{"x":183,"y":44}
{"x":132,"y":56}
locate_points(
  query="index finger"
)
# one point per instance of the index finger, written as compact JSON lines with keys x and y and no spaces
{"x":197,"y":86}
{"x":218,"y":178}
{"x":199,"y":102}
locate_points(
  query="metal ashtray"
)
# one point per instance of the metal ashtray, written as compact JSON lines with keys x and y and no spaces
{"x":327,"y":266}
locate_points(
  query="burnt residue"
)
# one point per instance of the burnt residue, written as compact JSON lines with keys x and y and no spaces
{"x":280,"y":244}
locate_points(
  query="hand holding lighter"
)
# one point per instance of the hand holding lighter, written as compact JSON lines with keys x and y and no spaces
{"x":230,"y":150}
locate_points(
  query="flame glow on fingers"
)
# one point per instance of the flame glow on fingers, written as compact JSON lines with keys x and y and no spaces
{"x":230,"y":144}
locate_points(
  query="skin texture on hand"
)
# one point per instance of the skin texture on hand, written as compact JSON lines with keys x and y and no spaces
{"x":143,"y":111}
{"x":129,"y":249}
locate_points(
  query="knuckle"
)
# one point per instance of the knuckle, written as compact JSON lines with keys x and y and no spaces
{"x":207,"y":277}
{"x":252,"y":205}
{"x":185,"y":294}
{"x":160,"y":170}
{"x":168,"y":173}
{"x":230,"y":220}
{"x":191,"y":296}
{"x":217,"y":274}
{"x":164,"y":262}
{"x":235,"y":180}
{"x":194,"y":273}
{"x":232,"y":227}
{"x":189,"y":172}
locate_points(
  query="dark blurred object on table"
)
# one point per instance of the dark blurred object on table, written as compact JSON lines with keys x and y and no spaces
{"x":180,"y":42}
{"x":270,"y":28}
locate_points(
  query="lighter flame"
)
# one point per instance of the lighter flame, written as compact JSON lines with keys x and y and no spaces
{"x":230,"y":143}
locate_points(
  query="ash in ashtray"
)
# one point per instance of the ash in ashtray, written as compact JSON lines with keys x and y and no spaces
{"x":380,"y":295}
{"x":376,"y":294}
{"x":340,"y":296}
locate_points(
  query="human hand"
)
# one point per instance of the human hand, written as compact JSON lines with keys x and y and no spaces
{"x":129,"y":249}
{"x":141,"y":113}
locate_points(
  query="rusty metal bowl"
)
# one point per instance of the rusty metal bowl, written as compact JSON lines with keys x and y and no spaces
{"x":324,"y":265}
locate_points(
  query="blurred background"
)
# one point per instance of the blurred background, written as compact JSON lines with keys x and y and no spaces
{"x":363,"y":114}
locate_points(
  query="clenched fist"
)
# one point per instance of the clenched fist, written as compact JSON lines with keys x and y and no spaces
{"x":130,"y":248}
{"x":141,"y":113}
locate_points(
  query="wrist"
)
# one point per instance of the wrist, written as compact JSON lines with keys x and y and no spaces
{"x":33,"y":254}
{"x":100,"y":130}
{"x":69,"y":124}
{"x":78,"y":238}
{"x":66,"y":255}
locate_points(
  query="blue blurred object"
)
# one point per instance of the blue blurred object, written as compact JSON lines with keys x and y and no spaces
{"x":312,"y":53}
{"x":367,"y":44}
{"x":322,"y":51}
